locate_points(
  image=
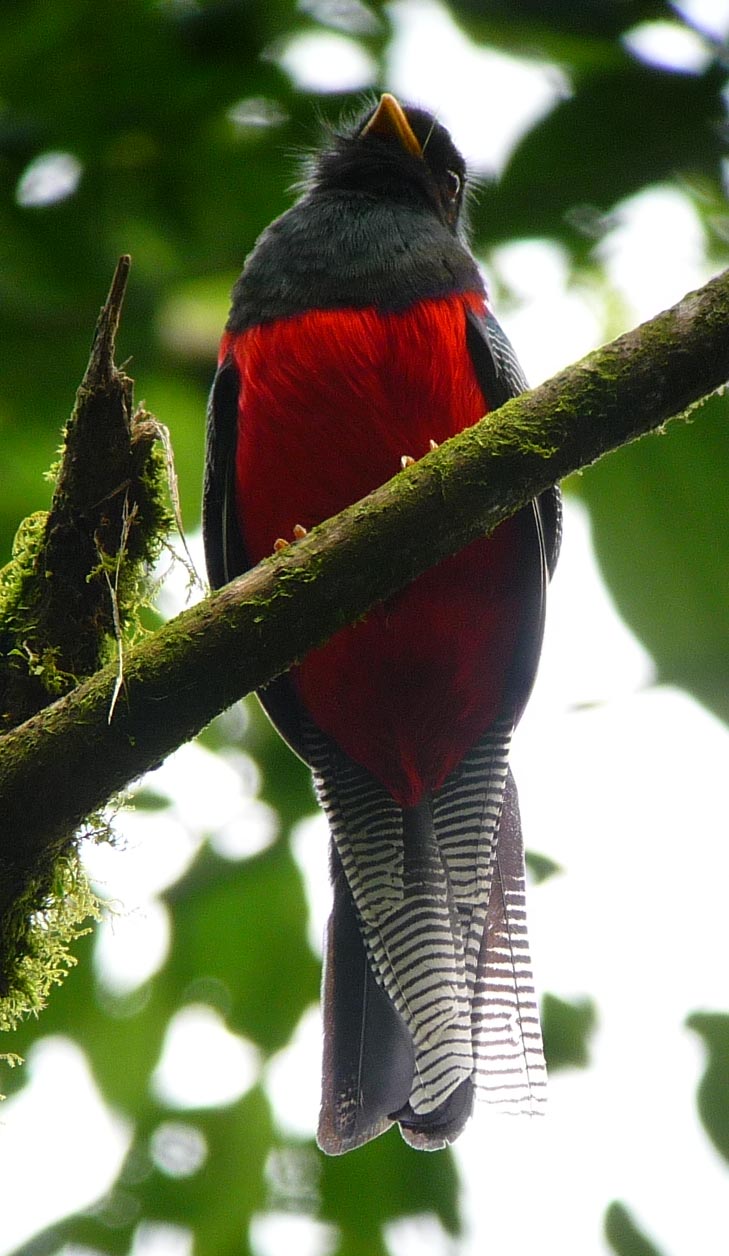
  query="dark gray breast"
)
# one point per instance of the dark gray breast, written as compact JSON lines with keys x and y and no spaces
{"x":349,"y":250}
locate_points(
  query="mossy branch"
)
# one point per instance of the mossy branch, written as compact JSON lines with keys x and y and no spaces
{"x":72,"y":587}
{"x":107,"y":514}
{"x":68,"y":759}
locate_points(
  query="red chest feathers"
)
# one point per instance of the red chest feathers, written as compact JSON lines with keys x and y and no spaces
{"x":330,"y":400}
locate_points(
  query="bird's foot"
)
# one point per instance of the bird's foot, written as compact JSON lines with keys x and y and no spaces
{"x":407,"y":460}
{"x":280,"y":543}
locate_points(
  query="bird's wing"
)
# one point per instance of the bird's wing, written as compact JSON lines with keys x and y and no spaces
{"x":225,"y":553}
{"x":497,"y":366}
{"x":500,"y":377}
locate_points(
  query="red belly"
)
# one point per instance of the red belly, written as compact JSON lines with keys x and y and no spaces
{"x":330,"y":400}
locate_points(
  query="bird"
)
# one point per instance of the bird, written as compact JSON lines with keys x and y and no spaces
{"x":361,"y":336}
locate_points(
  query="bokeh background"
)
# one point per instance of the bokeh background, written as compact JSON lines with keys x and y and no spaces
{"x":168,"y":1100}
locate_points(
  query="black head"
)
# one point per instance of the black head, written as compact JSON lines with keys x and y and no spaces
{"x":399,"y":154}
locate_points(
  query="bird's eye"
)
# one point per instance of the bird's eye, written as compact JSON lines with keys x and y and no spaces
{"x":453,"y":183}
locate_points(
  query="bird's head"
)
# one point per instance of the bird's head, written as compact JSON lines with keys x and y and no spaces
{"x":396,"y":153}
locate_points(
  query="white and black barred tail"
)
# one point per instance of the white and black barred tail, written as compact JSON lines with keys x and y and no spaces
{"x":509,"y":1057}
{"x":428,"y":994}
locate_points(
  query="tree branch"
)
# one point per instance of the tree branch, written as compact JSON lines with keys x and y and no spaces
{"x":68,"y":760}
{"x":106,"y":516}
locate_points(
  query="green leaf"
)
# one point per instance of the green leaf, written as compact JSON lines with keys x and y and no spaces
{"x":243,"y":925}
{"x":580,"y":37}
{"x":567,"y":1029}
{"x":604,"y":143}
{"x":541,"y":867}
{"x":383,"y":1181}
{"x":562,"y":17}
{"x":287,"y":783}
{"x":623,"y":1234}
{"x":713,"y":1095}
{"x":660,"y":513}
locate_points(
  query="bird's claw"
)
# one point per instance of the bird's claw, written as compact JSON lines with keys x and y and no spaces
{"x":280,"y":543}
{"x":406,"y":460}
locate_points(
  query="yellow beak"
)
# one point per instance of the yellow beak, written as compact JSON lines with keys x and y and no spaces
{"x":389,"y":122}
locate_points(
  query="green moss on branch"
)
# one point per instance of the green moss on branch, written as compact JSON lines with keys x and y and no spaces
{"x":73,"y":586}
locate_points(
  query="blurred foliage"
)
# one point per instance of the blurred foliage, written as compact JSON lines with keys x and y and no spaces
{"x":713,"y":1097}
{"x":541,"y":867}
{"x":660,"y":512}
{"x":602,"y":144}
{"x":177,"y":127}
{"x":623,"y":1234}
{"x":567,"y":1028}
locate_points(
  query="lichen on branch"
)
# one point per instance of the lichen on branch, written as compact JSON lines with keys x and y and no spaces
{"x":72,"y":589}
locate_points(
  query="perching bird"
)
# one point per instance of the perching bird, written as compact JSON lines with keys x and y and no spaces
{"x":359,"y":335}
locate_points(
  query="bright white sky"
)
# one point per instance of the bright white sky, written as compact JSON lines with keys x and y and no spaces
{"x":607,"y":767}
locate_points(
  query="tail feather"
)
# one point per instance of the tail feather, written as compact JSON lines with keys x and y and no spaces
{"x":428,"y":991}
{"x":510,"y":1069}
{"x":466,"y":815}
{"x":435,"y":1130}
{"x":368,"y":1053}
